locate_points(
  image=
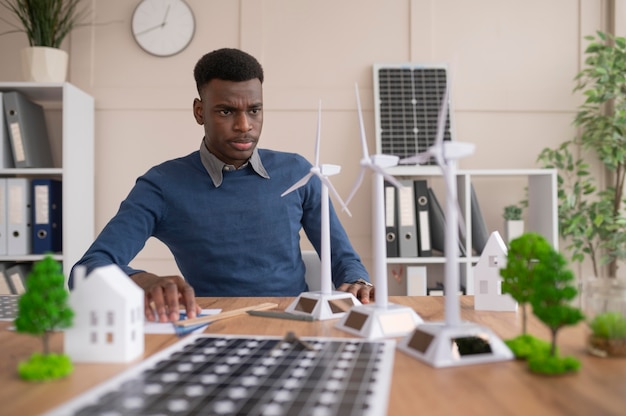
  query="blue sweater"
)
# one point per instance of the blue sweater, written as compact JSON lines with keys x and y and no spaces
{"x":239,"y":239}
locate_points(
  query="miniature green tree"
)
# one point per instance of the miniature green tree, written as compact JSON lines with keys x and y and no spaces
{"x":524,"y":253}
{"x":42,"y":309}
{"x":518,"y":275}
{"x":551,"y":296}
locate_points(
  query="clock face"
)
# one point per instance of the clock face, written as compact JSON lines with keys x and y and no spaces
{"x":163,"y":27}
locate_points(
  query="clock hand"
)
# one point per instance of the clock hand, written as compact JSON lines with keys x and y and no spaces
{"x":150,"y":29}
{"x":167,"y":11}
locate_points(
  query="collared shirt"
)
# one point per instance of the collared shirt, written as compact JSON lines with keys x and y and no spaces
{"x":216,"y":167}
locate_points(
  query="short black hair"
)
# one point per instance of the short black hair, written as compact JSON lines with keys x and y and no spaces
{"x":227,"y":64}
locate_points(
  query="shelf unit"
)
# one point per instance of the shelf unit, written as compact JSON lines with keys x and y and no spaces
{"x":69,"y":114}
{"x":541,"y":213}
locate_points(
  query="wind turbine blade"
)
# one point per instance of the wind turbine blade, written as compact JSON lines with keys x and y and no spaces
{"x":358,"y":182}
{"x":298,"y":184}
{"x":319,"y":129}
{"x":332,"y":189}
{"x":366,"y":154}
{"x":418,"y":159}
{"x":443,"y":114}
{"x":389,"y":178}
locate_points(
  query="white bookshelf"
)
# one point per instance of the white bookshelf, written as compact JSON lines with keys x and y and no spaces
{"x":69,"y":114}
{"x":541,"y":215}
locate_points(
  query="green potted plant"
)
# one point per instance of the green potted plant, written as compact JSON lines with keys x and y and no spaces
{"x":46,"y":24}
{"x":605,"y":307}
{"x":513,"y":223}
{"x":591,"y":219}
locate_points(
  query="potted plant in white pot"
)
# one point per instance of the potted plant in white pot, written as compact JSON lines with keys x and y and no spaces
{"x":513,"y":222}
{"x":46,"y":23}
{"x":592,"y":220}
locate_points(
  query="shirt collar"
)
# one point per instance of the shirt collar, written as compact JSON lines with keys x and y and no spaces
{"x":215,"y":167}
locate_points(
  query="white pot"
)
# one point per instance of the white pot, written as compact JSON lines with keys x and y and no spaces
{"x":44,"y":64}
{"x":513,"y":229}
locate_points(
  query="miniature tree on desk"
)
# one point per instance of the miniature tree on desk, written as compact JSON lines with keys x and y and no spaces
{"x":42,"y":309}
{"x":535,"y":273}
{"x":552,"y":292}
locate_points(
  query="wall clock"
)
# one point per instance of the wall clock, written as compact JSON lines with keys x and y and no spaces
{"x":163,"y":27}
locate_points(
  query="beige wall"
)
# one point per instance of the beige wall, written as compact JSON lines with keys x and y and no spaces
{"x":512,"y":63}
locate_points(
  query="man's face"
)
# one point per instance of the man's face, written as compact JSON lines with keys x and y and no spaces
{"x":232,"y":115}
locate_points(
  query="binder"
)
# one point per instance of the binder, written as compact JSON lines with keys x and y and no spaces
{"x":407,"y":228}
{"x":3,"y":217}
{"x":18,"y":216}
{"x":5,"y":287}
{"x":28,"y":133}
{"x":391,"y":220}
{"x":480,"y":235}
{"x":46,"y":216}
{"x":6,"y":157}
{"x":16,"y":276}
{"x":423,"y":217}
{"x":438,"y":225}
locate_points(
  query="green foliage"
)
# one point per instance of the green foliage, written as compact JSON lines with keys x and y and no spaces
{"x":553,"y":365}
{"x":525,"y":346}
{"x":552,"y":292}
{"x":592,"y":220}
{"x":609,"y":325}
{"x":45,"y":22}
{"x":536,"y":273}
{"x":43,"y":307}
{"x":512,"y":213}
{"x":523,"y":255}
{"x":45,"y":367}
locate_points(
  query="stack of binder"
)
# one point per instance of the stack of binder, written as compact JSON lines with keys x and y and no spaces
{"x":30,"y":209}
{"x":407,"y":219}
{"x":30,"y":216}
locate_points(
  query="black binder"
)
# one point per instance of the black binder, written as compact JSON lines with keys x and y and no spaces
{"x":480,"y":234}
{"x":438,"y":226}
{"x":391,"y":220}
{"x":422,"y":207}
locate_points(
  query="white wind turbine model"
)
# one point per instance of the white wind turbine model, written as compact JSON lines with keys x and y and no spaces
{"x":326,"y":303}
{"x":451,"y":343}
{"x":380,"y":319}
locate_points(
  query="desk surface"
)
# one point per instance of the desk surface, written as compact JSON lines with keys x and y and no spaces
{"x":504,"y":388}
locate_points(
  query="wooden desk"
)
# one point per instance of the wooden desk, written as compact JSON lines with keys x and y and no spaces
{"x":505,"y":388}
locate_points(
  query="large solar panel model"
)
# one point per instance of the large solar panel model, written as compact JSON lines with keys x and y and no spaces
{"x":407,"y":98}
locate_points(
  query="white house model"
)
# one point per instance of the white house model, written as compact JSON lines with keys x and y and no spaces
{"x":109,"y":317}
{"x":487,"y":280}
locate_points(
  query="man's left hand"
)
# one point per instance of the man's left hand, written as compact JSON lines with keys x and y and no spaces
{"x":361,"y":289}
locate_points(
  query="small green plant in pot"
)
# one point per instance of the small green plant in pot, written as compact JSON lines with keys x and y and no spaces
{"x":608,"y":335}
{"x":512,"y":213}
{"x":605,"y":306}
{"x":513,"y":223}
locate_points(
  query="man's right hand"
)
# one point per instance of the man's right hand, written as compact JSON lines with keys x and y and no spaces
{"x":164,"y":295}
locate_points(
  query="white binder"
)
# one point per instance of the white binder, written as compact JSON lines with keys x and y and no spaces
{"x":407,"y":224}
{"x":18,"y":216}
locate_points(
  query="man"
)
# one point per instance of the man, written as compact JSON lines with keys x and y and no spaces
{"x":219,"y":209}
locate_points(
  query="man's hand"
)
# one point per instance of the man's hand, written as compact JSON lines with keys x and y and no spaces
{"x":362,"y":290}
{"x":164,"y":295}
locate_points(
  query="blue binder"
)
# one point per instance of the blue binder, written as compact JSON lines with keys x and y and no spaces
{"x":47,"y":216}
